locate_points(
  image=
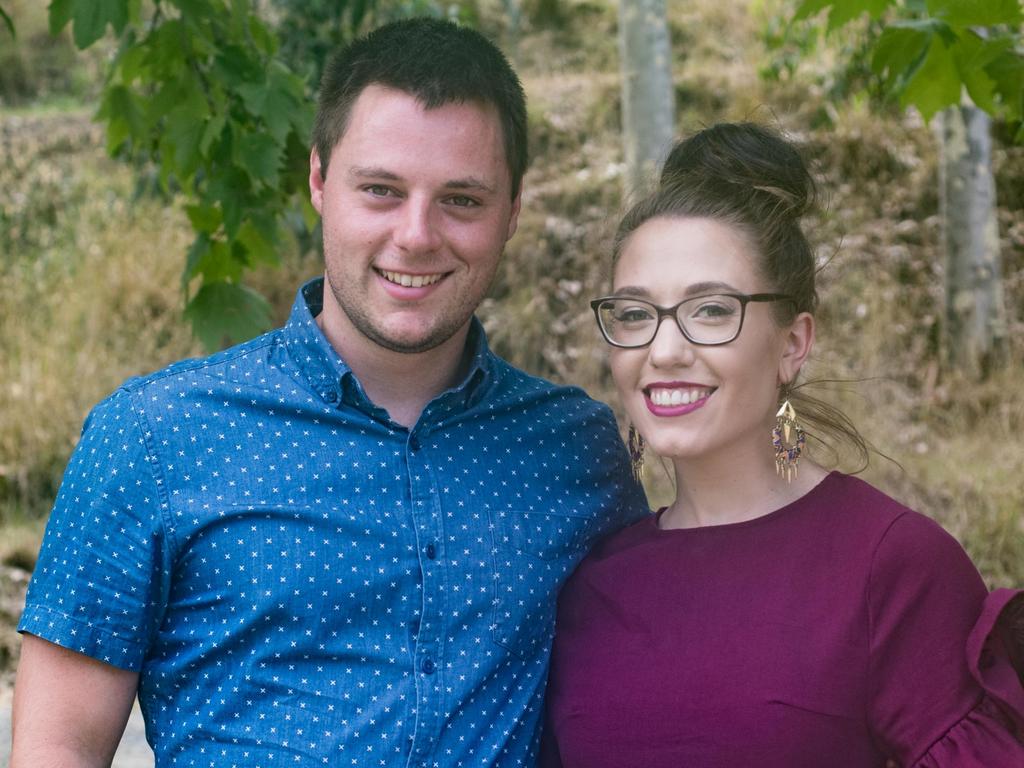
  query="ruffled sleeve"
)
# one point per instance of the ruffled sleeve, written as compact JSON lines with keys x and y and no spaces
{"x":995,"y":657}
{"x":933,"y":705}
{"x":995,"y":654}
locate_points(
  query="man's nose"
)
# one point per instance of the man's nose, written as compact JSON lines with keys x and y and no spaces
{"x":416,"y":230}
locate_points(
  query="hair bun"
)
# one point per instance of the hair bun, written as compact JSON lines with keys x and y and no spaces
{"x":748,"y":157}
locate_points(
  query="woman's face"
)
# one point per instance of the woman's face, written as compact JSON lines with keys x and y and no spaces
{"x":699,"y":402}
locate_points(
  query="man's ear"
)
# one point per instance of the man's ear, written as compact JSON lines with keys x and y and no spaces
{"x":513,"y":221}
{"x":798,"y":343}
{"x":316,"y":181}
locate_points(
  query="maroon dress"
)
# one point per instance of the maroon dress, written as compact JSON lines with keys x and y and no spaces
{"x":841,"y":631}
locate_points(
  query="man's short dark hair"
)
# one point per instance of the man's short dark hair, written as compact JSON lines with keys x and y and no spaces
{"x":436,"y":61}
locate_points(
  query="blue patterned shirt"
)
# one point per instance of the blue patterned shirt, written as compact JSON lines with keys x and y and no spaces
{"x":301,"y":581}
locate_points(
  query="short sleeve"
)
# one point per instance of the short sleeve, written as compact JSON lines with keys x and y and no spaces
{"x":926,"y":709}
{"x":101,"y":578}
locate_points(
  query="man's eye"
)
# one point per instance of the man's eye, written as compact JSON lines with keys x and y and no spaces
{"x":461,"y":201}
{"x":379,"y":190}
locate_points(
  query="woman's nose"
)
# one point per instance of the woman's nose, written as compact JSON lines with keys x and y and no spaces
{"x":670,"y":347}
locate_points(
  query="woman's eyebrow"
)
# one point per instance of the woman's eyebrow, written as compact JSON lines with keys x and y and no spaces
{"x":697,"y":289}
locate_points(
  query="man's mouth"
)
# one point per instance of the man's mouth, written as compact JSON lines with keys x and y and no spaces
{"x":667,"y":397}
{"x":407,"y":280}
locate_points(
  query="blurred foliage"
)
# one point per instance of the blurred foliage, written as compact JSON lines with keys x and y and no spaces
{"x":924,"y":53}
{"x":196,"y":86}
{"x":310,"y":29}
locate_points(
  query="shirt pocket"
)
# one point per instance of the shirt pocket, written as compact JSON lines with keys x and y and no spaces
{"x":533,"y":554}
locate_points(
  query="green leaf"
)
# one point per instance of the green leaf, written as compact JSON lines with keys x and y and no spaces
{"x":845,"y":11}
{"x":977,"y":13}
{"x":840,"y":12}
{"x":132,"y":62}
{"x":92,"y":16}
{"x":972,"y":55}
{"x":274,"y":100}
{"x":215,"y":262}
{"x":230,"y":187}
{"x":259,"y":247}
{"x":213,"y":129}
{"x":8,"y":23}
{"x":194,"y":8}
{"x":260,"y":155}
{"x":182,"y":137}
{"x":204,"y":218}
{"x":898,"y":53}
{"x":60,"y":15}
{"x":222,"y":312}
{"x":809,"y":8}
{"x":936,"y":84}
{"x":125,"y":119}
{"x":1007,"y":72}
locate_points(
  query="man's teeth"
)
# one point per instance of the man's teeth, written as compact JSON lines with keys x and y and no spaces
{"x":410,"y":281}
{"x":661,"y":396}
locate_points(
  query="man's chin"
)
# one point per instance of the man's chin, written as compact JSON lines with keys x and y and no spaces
{"x":412,"y":341}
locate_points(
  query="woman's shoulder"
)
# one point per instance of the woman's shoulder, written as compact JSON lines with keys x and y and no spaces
{"x":861,"y":506}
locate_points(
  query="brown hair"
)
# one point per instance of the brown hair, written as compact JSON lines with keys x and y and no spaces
{"x":749,"y":177}
{"x":434,"y":60}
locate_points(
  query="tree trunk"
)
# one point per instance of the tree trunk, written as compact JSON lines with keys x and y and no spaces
{"x":975,"y":336}
{"x":648,"y":96}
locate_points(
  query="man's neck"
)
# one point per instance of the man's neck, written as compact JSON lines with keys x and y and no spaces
{"x":399,"y":382}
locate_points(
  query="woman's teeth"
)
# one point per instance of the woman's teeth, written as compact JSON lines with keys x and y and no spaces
{"x":669,"y":397}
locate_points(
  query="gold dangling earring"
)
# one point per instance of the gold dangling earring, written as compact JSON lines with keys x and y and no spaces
{"x":635,"y":444}
{"x":788,"y":441}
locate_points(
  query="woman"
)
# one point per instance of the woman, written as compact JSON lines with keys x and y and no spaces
{"x":775,"y":615}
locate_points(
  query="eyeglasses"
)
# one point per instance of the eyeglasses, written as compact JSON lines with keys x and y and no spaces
{"x":705,"y":320}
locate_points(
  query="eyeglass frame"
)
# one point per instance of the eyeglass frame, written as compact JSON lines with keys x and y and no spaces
{"x":673,"y":312}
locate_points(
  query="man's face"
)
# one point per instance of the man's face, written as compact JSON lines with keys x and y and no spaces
{"x":417,"y":206}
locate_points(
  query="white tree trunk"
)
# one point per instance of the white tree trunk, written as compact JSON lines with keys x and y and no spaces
{"x":648,"y":96}
{"x":975,"y":308}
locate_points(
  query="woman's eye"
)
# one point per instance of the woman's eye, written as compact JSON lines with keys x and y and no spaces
{"x":634,"y":315}
{"x":712,"y":310}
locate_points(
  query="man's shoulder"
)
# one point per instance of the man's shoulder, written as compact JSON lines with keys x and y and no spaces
{"x":242,"y":362}
{"x":517,"y":384}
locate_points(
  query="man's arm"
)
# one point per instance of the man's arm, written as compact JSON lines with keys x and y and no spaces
{"x":69,"y":709}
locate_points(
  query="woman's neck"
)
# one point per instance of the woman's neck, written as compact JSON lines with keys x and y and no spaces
{"x":734,"y":489}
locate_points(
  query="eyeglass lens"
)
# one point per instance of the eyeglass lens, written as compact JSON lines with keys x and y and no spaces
{"x":704,"y":320}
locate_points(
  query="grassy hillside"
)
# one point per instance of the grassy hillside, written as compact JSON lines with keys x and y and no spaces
{"x":90,"y":291}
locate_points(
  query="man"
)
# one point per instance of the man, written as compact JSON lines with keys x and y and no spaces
{"x":341,"y":542}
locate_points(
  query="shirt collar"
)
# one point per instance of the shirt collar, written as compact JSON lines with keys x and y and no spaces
{"x":329,"y":375}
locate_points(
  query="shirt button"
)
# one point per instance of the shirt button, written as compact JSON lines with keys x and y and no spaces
{"x":431,"y":551}
{"x":428,"y":667}
{"x":331,"y":397}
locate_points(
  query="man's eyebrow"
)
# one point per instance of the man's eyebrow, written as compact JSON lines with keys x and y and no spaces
{"x":371,"y":172}
{"x":471,"y":183}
